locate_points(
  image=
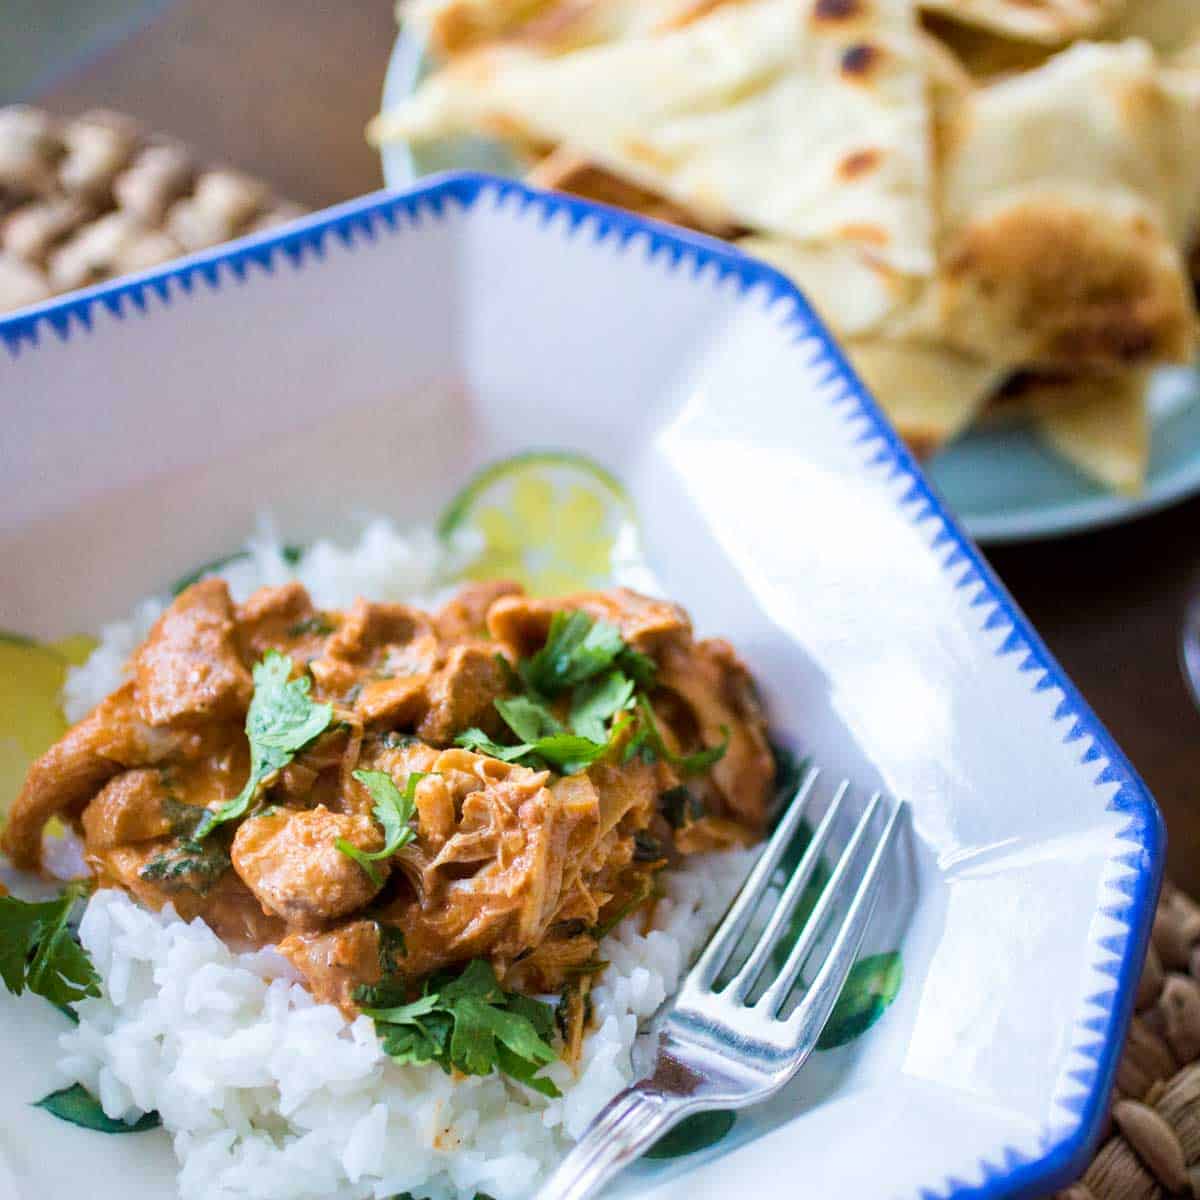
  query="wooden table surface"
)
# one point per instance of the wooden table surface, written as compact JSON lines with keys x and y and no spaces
{"x":283,"y":88}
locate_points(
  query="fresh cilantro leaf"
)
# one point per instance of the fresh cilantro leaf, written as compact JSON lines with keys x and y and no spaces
{"x":78,"y":1106}
{"x":394,"y":810}
{"x":681,"y":807}
{"x":615,"y":918}
{"x":576,"y":648}
{"x":598,"y":700}
{"x":529,"y":719}
{"x":392,"y":946}
{"x":688,"y":764}
{"x":38,"y":952}
{"x":282,"y":720}
{"x":188,"y":864}
{"x":318,"y":625}
{"x":567,"y":753}
{"x":476,"y":739}
{"x":469,"y":1024}
{"x":641,"y":668}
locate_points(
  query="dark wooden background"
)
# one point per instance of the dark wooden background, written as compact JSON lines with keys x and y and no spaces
{"x":283,"y":88}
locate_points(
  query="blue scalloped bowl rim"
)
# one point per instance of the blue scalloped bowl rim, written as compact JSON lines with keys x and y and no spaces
{"x":1014,"y":1174}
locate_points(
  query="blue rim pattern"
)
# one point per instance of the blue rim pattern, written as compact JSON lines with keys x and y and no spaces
{"x":1100,"y":1031}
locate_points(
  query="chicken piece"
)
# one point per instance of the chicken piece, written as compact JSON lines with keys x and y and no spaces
{"x":185,"y":704}
{"x":207,"y":888}
{"x":521,"y":623}
{"x":463,"y":618}
{"x":335,"y":963}
{"x":127,"y":809}
{"x":714,"y":685}
{"x":492,"y":888}
{"x":290,"y":861}
{"x":460,"y":695}
{"x":111,"y":737}
{"x":188,"y":669}
{"x":374,"y":642}
{"x":281,"y":618}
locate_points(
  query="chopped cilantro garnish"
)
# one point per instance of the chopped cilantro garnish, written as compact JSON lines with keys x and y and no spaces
{"x":282,"y":720}
{"x":392,"y":947}
{"x":567,"y":753}
{"x":394,"y":810}
{"x":681,"y":807}
{"x":688,"y":764}
{"x":187,"y":863}
{"x":577,"y":647}
{"x":39,"y":953}
{"x":318,"y":625}
{"x":469,"y":1024}
{"x":597,"y":701}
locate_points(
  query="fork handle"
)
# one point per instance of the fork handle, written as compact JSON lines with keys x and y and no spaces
{"x":631,"y":1122}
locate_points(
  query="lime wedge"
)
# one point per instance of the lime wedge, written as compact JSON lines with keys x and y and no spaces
{"x":553,"y":522}
{"x":31,"y":719}
{"x":76,"y":649}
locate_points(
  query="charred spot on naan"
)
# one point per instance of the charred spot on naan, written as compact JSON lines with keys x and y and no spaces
{"x":839,"y":13}
{"x":862,"y":62}
{"x":1050,"y":281}
{"x":858,"y":163}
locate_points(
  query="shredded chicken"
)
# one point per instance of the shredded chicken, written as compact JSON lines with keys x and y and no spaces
{"x":519,"y":864}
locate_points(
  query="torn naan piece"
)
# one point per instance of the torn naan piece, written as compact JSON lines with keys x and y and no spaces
{"x":1099,"y":424}
{"x":1067,"y":196}
{"x":929,"y":393}
{"x":452,"y":27}
{"x":1054,"y":22}
{"x":1165,"y":24}
{"x":856,"y":293}
{"x":563,"y":171}
{"x":807,"y":120}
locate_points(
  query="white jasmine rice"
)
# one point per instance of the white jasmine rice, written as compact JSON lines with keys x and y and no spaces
{"x":267,"y":1094}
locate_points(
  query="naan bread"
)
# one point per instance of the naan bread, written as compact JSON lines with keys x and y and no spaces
{"x":856,"y":294}
{"x":929,"y":393}
{"x":807,"y":120}
{"x":452,"y":27}
{"x":1165,"y":24}
{"x":1068,"y":194}
{"x":1051,"y":21}
{"x":566,"y":172}
{"x":1099,"y":424}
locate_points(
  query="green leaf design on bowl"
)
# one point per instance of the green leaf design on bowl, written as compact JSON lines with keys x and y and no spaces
{"x":870,"y":987}
{"x":693,"y":1133}
{"x":78,"y":1106}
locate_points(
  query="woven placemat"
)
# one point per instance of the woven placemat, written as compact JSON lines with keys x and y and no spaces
{"x":1152,"y":1133}
{"x":97,"y":196}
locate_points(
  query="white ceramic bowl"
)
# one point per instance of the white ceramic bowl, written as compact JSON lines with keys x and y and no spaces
{"x":368,"y":358}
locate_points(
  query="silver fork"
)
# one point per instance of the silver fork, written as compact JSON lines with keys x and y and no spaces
{"x":716,"y":1050}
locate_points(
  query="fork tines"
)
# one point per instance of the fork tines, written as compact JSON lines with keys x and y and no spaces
{"x":852,"y":889}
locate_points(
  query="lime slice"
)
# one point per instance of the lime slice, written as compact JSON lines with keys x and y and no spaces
{"x":31,"y":719}
{"x":76,"y":649}
{"x":553,"y":522}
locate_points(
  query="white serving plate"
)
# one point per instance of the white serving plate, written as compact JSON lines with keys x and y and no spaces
{"x":369,"y":358}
